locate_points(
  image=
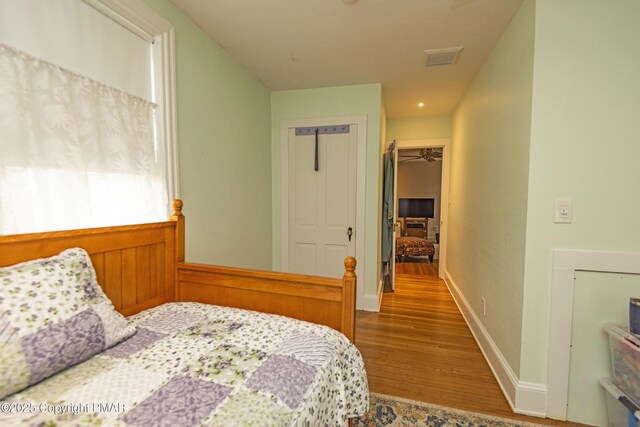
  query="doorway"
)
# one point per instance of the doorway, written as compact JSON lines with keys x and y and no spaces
{"x":418,"y":197}
{"x":435,"y":228}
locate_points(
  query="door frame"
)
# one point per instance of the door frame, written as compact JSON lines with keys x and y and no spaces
{"x":445,"y":143}
{"x":361,"y":158}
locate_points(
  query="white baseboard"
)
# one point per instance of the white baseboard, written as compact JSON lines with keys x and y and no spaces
{"x":531,"y":399}
{"x":372,"y":302}
{"x":524,"y":398}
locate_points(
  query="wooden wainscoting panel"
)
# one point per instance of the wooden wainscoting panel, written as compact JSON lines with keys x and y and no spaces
{"x":143,"y":274}
{"x":155,"y":260}
{"x":130,"y":291}
{"x":98,"y":265}
{"x":134,"y":278}
{"x":160,"y":261}
{"x":113,"y":277}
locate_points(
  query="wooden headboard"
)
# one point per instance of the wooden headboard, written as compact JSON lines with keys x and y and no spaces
{"x":135,"y":264}
{"x":142,"y":266}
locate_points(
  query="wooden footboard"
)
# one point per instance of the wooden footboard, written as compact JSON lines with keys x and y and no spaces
{"x":315,"y":299}
{"x":142,"y":266}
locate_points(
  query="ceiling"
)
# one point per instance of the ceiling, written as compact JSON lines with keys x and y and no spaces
{"x":295,"y":44}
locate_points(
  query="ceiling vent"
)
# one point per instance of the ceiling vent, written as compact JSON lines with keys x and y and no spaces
{"x":445,"y":56}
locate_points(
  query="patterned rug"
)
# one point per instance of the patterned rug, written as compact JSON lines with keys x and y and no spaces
{"x":394,"y":411}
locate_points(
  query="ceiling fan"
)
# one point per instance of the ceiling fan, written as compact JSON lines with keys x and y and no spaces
{"x":428,"y":154}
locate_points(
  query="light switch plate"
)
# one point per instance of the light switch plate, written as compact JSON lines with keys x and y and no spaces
{"x":563,"y":213}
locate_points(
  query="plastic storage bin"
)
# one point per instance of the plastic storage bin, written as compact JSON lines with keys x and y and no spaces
{"x":625,"y":360}
{"x":623,"y":412}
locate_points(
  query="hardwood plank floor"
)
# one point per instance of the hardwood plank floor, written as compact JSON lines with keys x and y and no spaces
{"x":422,"y":268}
{"x":419,"y":347}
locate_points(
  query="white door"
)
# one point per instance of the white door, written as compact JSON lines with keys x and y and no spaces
{"x":322,"y":203}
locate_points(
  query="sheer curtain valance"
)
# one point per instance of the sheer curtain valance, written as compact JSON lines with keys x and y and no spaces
{"x":74,"y":152}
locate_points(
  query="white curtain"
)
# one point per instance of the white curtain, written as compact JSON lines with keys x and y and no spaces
{"x":74,"y":153}
{"x":80,"y":38}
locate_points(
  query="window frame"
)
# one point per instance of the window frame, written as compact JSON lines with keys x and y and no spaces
{"x":146,"y":23}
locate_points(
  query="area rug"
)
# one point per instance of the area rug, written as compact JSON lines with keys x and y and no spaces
{"x":394,"y":411}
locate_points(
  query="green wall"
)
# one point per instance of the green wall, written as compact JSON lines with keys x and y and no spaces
{"x":585,"y":134}
{"x":428,"y":127}
{"x":334,"y":102}
{"x":224,"y":148}
{"x":488,"y":188}
{"x":553,"y":114}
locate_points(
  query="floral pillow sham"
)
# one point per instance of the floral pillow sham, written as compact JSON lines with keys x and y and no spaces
{"x":53,"y":315}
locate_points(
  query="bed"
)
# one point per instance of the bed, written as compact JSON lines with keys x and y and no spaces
{"x":414,"y":247}
{"x":203,"y":345}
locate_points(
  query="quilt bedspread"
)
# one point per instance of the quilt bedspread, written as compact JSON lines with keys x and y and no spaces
{"x":192,"y":364}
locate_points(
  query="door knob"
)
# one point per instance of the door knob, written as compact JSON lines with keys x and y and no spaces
{"x":349,"y":232}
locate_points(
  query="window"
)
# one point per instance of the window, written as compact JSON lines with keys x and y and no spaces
{"x":74,"y":158}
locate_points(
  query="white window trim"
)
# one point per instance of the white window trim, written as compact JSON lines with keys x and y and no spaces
{"x":143,"y":21}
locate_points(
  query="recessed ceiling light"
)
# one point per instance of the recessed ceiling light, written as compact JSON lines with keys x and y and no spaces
{"x":420,"y":104}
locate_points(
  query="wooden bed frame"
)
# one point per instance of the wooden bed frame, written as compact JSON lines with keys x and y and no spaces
{"x":142,"y":266}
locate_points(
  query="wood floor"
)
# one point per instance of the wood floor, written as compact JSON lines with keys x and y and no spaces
{"x":419,"y":347}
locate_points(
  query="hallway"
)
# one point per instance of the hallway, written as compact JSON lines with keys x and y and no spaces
{"x":419,"y":347}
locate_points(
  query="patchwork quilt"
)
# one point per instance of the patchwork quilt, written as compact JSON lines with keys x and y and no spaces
{"x":192,"y":364}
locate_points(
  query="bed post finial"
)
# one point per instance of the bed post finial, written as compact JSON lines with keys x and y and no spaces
{"x":350,"y":266}
{"x":349,"y":281}
{"x":177,"y":207}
